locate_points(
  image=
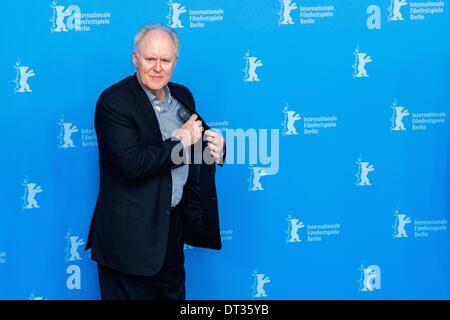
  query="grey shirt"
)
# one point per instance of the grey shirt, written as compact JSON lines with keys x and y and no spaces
{"x":166,"y":113}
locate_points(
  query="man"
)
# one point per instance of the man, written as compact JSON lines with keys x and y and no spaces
{"x":150,"y":204}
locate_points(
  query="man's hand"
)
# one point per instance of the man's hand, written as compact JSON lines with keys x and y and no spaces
{"x":190,"y":132}
{"x":215,"y":143}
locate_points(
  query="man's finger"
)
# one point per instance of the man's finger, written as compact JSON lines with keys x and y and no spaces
{"x":213,"y":154}
{"x":193,"y":117}
{"x":213,"y":147}
{"x":211,"y":133}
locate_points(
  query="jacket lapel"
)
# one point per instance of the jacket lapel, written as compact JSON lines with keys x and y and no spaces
{"x":145,"y":105}
{"x":181,"y":97}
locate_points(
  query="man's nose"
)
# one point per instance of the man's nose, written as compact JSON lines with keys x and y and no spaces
{"x":158,"y":65}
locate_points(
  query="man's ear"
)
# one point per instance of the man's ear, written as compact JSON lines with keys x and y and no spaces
{"x":175,"y":63}
{"x":135,"y":58}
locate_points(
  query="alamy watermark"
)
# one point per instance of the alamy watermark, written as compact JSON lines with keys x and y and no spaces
{"x":250,"y":147}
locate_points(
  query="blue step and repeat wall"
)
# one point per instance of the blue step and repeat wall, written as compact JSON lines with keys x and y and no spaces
{"x":335,"y":115}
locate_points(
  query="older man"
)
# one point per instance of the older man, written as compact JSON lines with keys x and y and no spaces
{"x":150,"y":203}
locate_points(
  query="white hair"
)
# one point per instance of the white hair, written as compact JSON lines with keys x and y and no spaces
{"x":147,"y":28}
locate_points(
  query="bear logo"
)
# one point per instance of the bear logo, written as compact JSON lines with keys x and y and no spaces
{"x":74,"y":243}
{"x":363,"y":170}
{"x":32,"y":190}
{"x":395,"y":10}
{"x":177,"y":9}
{"x":251,"y":65}
{"x":402,"y":221}
{"x":295,"y":225}
{"x":399,"y":114}
{"x":287,"y":7}
{"x":261,"y":279}
{"x":371,"y":278}
{"x":69,"y":129}
{"x":292,"y":117}
{"x":258,"y":172}
{"x":361,"y":60}
{"x":23,"y":74}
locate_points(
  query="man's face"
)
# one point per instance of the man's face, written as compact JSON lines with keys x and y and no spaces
{"x":155,"y":59}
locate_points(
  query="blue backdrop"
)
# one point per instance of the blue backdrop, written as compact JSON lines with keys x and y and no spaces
{"x":349,"y":199}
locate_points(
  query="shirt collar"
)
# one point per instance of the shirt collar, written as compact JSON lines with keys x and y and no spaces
{"x":154,"y":99}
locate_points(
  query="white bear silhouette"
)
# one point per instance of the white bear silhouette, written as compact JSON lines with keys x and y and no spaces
{"x":296,"y":224}
{"x":402,"y":221}
{"x":74,"y":244}
{"x":400,"y":113}
{"x":177,"y":10}
{"x":363,"y":58}
{"x":370,"y":275}
{"x":253,"y":64}
{"x":68,"y":130}
{"x":262,"y":280}
{"x":61,"y":14}
{"x":396,"y":14}
{"x":24,"y":75}
{"x":287,"y":8}
{"x":32,"y":189}
{"x":365,"y":169}
{"x":292,"y":117}
{"x":257,"y":174}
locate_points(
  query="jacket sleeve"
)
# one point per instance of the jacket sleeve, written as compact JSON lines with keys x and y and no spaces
{"x":119,"y":140}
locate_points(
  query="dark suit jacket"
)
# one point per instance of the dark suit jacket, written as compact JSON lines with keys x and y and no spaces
{"x":129,"y":228}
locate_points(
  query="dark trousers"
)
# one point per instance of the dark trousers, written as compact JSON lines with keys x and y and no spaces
{"x":167,"y":284}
